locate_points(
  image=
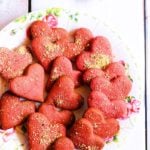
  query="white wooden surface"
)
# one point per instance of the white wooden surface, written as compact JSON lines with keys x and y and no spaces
{"x":148,"y":69}
{"x":124,"y":16}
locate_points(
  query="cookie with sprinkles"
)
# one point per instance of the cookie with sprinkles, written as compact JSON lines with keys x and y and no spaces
{"x":13,"y":63}
{"x":13,"y":111}
{"x":82,"y":37}
{"x":59,"y":34}
{"x":115,"y":69}
{"x":45,"y":50}
{"x":30,"y":85}
{"x":83,"y":136}
{"x":115,"y":89}
{"x":89,"y":74}
{"x":98,"y":56}
{"x":63,"y":94}
{"x":105,"y":128}
{"x":111,"y":109}
{"x":41,"y":28}
{"x":41,"y":133}
{"x":56,"y":115}
{"x":63,"y":143}
{"x":80,"y":42}
{"x":63,"y":66}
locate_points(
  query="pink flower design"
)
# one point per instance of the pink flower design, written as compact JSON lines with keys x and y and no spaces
{"x":51,"y":20}
{"x":6,"y":134}
{"x":108,"y":140}
{"x":133,"y":106}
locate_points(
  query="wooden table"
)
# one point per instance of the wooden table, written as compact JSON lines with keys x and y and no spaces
{"x":129,"y":18}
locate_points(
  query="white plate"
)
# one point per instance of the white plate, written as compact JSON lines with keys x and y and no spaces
{"x":14,"y":35}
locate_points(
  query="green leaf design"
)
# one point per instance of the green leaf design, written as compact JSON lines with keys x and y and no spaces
{"x":127,"y":72}
{"x":76,"y":14}
{"x":71,"y":17}
{"x":130,"y":78}
{"x":32,"y":16}
{"x":21,"y":19}
{"x":115,"y":139}
{"x":54,"y":11}
{"x":129,"y":98}
{"x":39,"y":16}
{"x":13,"y":32}
{"x":74,"y":17}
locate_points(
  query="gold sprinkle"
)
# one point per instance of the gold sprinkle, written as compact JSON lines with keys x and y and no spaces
{"x":97,"y":61}
{"x":22,"y":50}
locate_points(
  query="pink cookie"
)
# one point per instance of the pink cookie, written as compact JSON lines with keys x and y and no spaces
{"x":98,"y":56}
{"x":111,"y":109}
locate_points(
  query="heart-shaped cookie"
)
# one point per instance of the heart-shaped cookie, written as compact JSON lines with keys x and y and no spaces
{"x":79,"y":41}
{"x":110,"y":109}
{"x":63,"y":143}
{"x":105,"y":128}
{"x":98,"y":56}
{"x":115,"y":69}
{"x":59,"y":34}
{"x":13,"y":111}
{"x":54,"y":115}
{"x":31,"y":85}
{"x":63,"y":94}
{"x":83,"y":136}
{"x":40,"y":28}
{"x":42,"y":133}
{"x":82,"y":37}
{"x":45,"y":51}
{"x":13,"y":63}
{"x":116,"y":89}
{"x":62,"y":66}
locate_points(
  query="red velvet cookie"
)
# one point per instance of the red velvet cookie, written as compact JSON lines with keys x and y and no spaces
{"x":111,"y":109}
{"x":82,"y":37}
{"x":89,"y":74}
{"x":41,"y":28}
{"x":63,"y":94}
{"x":83,"y":136}
{"x":13,"y":63}
{"x":115,"y":69}
{"x":54,"y":115}
{"x":42,"y":133}
{"x":116,"y":89}
{"x":59,"y":34}
{"x":45,"y":51}
{"x":79,"y":42}
{"x":31,"y":85}
{"x":13,"y":111}
{"x":105,"y":128}
{"x":98,"y":56}
{"x":62,"y":66}
{"x":63,"y":143}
